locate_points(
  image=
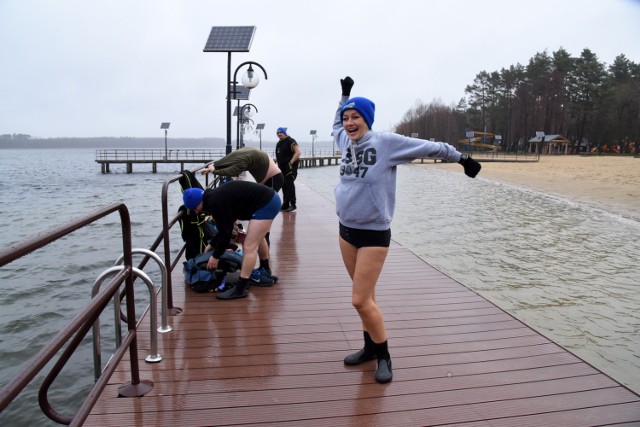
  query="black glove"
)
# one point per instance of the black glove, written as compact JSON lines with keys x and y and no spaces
{"x":471,"y":167}
{"x":347,"y":84}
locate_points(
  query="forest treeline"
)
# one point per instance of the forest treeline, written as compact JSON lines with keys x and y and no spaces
{"x":595,"y":106}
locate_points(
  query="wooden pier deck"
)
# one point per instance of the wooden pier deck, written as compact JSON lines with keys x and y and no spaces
{"x":275,"y":358}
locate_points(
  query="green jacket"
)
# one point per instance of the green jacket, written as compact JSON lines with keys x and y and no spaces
{"x":249,"y":159}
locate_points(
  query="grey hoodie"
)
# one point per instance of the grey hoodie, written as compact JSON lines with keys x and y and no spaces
{"x":366,"y":193}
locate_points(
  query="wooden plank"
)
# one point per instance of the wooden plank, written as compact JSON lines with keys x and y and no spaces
{"x":275,"y":358}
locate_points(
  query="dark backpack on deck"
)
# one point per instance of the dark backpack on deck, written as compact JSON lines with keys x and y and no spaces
{"x":200,"y":279}
{"x":196,"y":232}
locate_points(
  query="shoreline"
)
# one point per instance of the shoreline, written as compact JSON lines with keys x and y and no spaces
{"x":605,"y":182}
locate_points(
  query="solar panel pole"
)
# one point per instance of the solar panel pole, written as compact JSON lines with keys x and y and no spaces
{"x":313,"y":138}
{"x":259,"y":128}
{"x":165,"y":126}
{"x":230,"y":39}
{"x":228,"y":148}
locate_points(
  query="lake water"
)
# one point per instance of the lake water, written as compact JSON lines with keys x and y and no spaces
{"x":564,"y":268}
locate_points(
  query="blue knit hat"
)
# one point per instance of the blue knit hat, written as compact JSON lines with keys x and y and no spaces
{"x":192,"y":197}
{"x":363,"y":106}
{"x":283,"y":130}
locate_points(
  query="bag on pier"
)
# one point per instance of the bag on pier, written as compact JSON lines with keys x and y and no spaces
{"x":196,"y":229}
{"x":200,"y":279}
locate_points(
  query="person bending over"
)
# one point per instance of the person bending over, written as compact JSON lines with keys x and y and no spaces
{"x":258,"y":163}
{"x":238,"y":200}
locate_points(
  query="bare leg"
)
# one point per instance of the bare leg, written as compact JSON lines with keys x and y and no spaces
{"x":256,"y":230}
{"x":364,"y":266}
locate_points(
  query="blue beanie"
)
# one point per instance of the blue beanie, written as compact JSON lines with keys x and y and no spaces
{"x":363,"y":106}
{"x":283,"y":130}
{"x":192,"y":197}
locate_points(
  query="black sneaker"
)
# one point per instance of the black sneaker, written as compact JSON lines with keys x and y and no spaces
{"x":233,"y":293}
{"x":291,"y":208}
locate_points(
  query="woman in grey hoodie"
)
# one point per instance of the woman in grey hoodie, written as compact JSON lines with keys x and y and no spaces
{"x":365,"y":201}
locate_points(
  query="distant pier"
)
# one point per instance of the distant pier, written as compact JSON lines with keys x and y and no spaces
{"x":184,"y":156}
{"x":155,"y":156}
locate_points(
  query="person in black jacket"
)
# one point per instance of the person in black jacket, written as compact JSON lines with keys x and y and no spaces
{"x":237,"y":200}
{"x":287,"y":155}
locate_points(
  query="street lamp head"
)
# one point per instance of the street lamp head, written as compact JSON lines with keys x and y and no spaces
{"x":247,"y":111}
{"x":250,"y":79}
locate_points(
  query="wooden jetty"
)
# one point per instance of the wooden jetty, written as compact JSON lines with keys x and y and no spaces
{"x":275,"y":357}
{"x":155,"y":156}
{"x":186,"y":156}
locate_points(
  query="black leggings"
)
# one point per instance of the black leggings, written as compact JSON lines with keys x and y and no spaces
{"x":289,"y":191}
{"x":275,"y":182}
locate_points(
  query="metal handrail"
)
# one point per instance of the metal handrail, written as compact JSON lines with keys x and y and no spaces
{"x":164,"y":276}
{"x":153,"y":356}
{"x":79,"y":326}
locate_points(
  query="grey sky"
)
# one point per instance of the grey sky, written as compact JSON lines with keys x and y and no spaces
{"x":79,"y":68}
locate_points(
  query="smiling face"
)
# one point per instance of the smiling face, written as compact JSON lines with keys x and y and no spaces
{"x":354,"y":124}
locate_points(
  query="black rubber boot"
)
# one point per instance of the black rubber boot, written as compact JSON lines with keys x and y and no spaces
{"x":237,"y":291}
{"x":364,"y":354}
{"x":383,"y":371}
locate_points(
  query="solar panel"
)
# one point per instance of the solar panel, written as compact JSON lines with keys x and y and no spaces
{"x":313,"y":132}
{"x":242,"y":92}
{"x":164,"y":125}
{"x":230,"y":39}
{"x":237,"y":109}
{"x":260,"y":126}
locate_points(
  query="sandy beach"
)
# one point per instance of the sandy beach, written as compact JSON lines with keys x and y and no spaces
{"x":609,"y":182}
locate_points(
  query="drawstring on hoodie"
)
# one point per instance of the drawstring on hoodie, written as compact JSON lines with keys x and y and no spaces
{"x":353,"y":153}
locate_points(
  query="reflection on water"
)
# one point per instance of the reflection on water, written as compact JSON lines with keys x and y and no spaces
{"x":564,"y":268}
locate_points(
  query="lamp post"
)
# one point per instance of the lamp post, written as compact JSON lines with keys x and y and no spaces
{"x":241,"y":117}
{"x":497,"y":142}
{"x":259,"y":128}
{"x":333,"y":144}
{"x":165,"y":126}
{"x":313,"y":138}
{"x":470,"y":135}
{"x":249,"y":80}
{"x":540,"y":135}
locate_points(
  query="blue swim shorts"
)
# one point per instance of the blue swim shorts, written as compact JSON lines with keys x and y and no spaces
{"x":270,"y":210}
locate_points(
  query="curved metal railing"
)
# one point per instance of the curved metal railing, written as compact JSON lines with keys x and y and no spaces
{"x":73,"y":334}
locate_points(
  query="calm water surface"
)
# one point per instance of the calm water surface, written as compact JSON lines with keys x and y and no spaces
{"x":564,"y":268}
